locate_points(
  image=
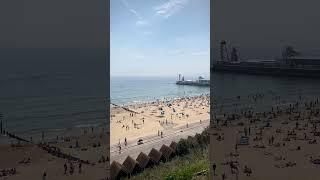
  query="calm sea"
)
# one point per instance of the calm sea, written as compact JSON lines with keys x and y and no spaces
{"x":52,"y":90}
{"x":55,"y":90}
{"x":127,"y":90}
{"x":271,"y":90}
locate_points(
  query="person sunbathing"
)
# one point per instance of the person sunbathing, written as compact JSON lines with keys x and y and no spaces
{"x":247,"y":170}
{"x":313,"y":141}
{"x":233,"y":167}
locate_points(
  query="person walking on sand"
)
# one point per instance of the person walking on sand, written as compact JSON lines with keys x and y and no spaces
{"x":214,"y":166}
{"x":236,"y":148}
{"x":44,"y":175}
{"x":80,"y":166}
{"x":125,"y":141}
{"x":223,"y":176}
{"x":42,"y":136}
{"x":71,"y":168}
{"x":65,"y":168}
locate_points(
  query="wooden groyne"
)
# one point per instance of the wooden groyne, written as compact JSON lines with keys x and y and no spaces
{"x":55,"y":151}
{"x":16,"y":137}
{"x":125,"y":108}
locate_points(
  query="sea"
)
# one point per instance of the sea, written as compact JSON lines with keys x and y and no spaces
{"x":230,"y":91}
{"x":52,"y":90}
{"x":57,"y":90}
{"x":235,"y":92}
{"x":130,"y":90}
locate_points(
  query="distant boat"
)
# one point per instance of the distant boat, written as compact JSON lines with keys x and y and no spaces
{"x":199,"y":82}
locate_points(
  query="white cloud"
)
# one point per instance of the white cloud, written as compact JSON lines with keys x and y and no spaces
{"x":133,"y":11}
{"x":170,"y":7}
{"x":142,"y":23}
{"x":136,"y":13}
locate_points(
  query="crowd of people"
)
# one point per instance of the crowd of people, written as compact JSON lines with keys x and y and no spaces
{"x":7,"y":172}
{"x":282,"y":126}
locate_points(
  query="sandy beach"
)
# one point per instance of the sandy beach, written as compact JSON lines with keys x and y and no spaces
{"x":146,"y":119}
{"x":81,"y":153}
{"x":281,"y":143}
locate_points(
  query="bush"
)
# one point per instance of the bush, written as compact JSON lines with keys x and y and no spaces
{"x":181,"y":167}
{"x":183,"y":147}
{"x":188,"y":172}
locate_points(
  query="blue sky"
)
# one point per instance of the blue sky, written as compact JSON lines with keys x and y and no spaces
{"x":160,"y":37}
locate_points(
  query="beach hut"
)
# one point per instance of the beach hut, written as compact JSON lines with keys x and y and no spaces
{"x":131,"y":166}
{"x":155,"y":156}
{"x":117,"y":171}
{"x":166,"y":151}
{"x":173,"y":146}
{"x":144,"y":160}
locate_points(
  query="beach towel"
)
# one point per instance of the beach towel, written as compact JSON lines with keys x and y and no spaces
{"x":244,"y":140}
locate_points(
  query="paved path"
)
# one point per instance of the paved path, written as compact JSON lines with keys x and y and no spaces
{"x":155,"y":141}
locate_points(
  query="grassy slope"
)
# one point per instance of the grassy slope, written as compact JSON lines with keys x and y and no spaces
{"x":179,"y":168}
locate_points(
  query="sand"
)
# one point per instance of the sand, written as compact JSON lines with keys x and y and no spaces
{"x":41,"y":161}
{"x":287,"y":157}
{"x":145,"y":119}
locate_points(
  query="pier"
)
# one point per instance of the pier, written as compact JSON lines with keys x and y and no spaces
{"x":291,"y":64}
{"x":200,"y":82}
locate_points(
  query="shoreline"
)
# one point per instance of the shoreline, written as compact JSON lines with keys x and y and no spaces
{"x":143,"y":119}
{"x":51,"y":134}
{"x":142,"y":102}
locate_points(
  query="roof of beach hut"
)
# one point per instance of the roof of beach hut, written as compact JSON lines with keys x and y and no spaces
{"x":116,"y":170}
{"x":143,"y":160}
{"x":166,"y":151}
{"x":173,"y":146}
{"x":130,"y":165}
{"x":155,"y":155}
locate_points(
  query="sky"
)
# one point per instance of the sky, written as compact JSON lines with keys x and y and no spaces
{"x":159,"y":37}
{"x":53,"y":24}
{"x":260,"y":29}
